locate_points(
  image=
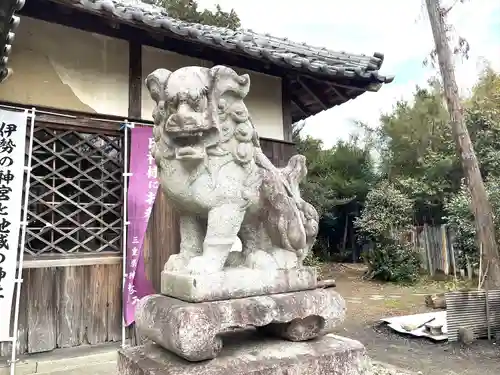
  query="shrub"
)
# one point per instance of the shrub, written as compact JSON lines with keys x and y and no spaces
{"x":386,"y":217}
{"x":393,"y":261}
{"x":387,"y":214}
{"x":460,"y":217}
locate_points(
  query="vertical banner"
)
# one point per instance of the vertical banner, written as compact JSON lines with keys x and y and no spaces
{"x":142,"y":188}
{"x":12,"y":145}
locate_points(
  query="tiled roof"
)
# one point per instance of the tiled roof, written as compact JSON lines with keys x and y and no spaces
{"x":314,"y":61}
{"x":8,"y":24}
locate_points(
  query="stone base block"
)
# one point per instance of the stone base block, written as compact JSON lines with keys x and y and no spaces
{"x":236,"y":283}
{"x":328,"y":355}
{"x":192,"y":330}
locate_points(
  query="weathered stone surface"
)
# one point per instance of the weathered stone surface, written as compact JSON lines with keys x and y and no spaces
{"x":211,"y":166}
{"x":236,"y":283}
{"x":192,"y":330}
{"x":250,"y":354}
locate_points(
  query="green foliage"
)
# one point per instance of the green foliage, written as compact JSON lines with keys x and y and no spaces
{"x":483,"y":121}
{"x":420,"y":179}
{"x":418,"y":152}
{"x":336,"y":176}
{"x":187,"y":10}
{"x":460,"y":217}
{"x":337,"y":183}
{"x":311,"y":260}
{"x":386,"y":215}
{"x":393,"y":261}
{"x":385,"y":219}
{"x":419,"y":156}
{"x":417,"y":148}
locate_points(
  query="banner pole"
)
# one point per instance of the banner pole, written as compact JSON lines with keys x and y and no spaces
{"x":126,"y":174}
{"x":24,"y":225}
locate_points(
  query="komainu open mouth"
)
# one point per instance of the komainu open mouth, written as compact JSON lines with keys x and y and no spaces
{"x":182,"y":139}
{"x":189,"y":145}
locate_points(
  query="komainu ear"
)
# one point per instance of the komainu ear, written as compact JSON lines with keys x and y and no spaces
{"x":156,"y":82}
{"x":225,"y":79}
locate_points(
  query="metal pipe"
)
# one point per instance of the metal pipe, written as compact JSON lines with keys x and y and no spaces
{"x":488,"y":323}
{"x":125,"y":226}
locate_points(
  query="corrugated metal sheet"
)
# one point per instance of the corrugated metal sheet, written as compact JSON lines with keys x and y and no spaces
{"x":468,"y":309}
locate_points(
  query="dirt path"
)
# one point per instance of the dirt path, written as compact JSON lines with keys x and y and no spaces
{"x":368,"y":302}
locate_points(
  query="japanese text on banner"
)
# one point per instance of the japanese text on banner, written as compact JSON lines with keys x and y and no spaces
{"x":143,"y":185}
{"x":12,"y":146}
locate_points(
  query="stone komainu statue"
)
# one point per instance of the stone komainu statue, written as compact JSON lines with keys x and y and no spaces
{"x":212,"y":168}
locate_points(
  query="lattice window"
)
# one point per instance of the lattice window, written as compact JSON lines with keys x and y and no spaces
{"x":76,"y":195}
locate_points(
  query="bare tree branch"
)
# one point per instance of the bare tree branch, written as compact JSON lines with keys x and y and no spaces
{"x":297,"y":128}
{"x":462,"y":47}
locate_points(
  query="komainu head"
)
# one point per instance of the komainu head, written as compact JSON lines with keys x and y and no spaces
{"x":200,"y":111}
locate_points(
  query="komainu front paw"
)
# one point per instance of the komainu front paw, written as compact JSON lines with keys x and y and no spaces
{"x":176,"y":263}
{"x":285,"y":259}
{"x":201,"y":265}
{"x":235,"y":259}
{"x":260,"y":260}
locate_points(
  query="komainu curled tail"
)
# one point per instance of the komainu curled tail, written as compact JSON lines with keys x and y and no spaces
{"x":293,"y":222}
{"x":294,"y":173}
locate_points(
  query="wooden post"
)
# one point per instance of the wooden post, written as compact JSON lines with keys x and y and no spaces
{"x":428,"y":251}
{"x":453,"y":260}
{"x":481,"y":206}
{"x":444,"y":250}
{"x":344,"y":241}
{"x":135,"y":81}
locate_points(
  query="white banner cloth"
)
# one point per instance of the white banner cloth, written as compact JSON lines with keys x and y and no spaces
{"x":12,"y":145}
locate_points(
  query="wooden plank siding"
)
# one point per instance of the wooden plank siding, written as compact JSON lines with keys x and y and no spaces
{"x":162,"y":238}
{"x":64,"y":307}
{"x":279,"y":152}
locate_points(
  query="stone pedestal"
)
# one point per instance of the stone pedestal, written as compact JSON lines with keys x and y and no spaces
{"x":192,"y":330}
{"x":236,"y":283}
{"x":249,"y":353}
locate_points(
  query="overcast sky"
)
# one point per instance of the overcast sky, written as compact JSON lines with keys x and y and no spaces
{"x":397,"y":28}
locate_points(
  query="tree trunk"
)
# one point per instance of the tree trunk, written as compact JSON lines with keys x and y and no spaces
{"x":344,"y":242}
{"x":480,"y":203}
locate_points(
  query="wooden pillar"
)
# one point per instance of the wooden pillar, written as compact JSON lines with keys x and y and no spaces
{"x":135,"y":81}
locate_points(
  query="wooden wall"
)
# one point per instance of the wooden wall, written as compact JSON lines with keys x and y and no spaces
{"x":63,"y":307}
{"x":162,"y":238}
{"x":278,"y":151}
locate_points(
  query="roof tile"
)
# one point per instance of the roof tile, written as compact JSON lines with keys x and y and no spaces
{"x":8,"y":25}
{"x":279,"y":51}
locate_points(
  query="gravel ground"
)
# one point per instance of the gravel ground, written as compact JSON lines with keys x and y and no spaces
{"x":378,"y":368}
{"x":424,"y":356}
{"x":368,"y":302}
